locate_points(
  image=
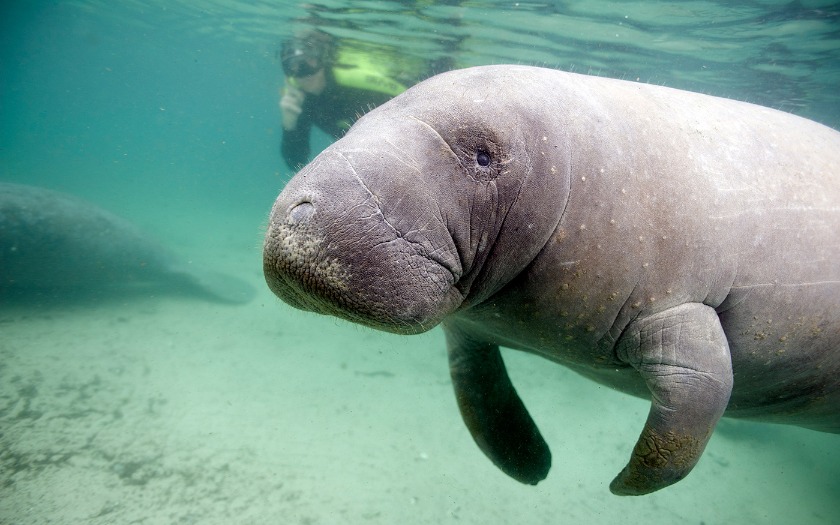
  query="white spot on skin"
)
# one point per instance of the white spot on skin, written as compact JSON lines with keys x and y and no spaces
{"x":482,"y":243}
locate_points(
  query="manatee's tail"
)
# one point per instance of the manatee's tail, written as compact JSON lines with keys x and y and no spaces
{"x":216,"y":286}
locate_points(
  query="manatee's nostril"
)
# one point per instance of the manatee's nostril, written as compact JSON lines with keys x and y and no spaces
{"x":301,"y":212}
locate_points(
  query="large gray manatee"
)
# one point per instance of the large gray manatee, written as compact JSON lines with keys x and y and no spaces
{"x":678,"y":247}
{"x":55,"y":244}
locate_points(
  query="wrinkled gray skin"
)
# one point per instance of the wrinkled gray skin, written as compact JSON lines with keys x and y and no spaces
{"x":56,"y":244}
{"x":673,"y":246}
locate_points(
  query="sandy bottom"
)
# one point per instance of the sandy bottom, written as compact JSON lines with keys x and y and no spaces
{"x":164,"y":410}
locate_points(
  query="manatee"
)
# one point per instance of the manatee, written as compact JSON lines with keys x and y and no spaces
{"x":674,"y":246}
{"x":55,"y":244}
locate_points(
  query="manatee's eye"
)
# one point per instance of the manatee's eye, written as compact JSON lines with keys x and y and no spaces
{"x":482,"y":158}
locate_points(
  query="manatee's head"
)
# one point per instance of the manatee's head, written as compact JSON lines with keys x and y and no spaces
{"x":431,"y":203}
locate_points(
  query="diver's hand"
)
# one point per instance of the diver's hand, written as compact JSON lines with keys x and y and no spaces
{"x":291,"y":104}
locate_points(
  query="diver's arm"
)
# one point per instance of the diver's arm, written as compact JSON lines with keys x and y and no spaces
{"x":291,"y":105}
{"x":295,"y":144}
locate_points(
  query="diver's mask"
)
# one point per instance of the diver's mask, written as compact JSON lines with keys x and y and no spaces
{"x":302,"y":57}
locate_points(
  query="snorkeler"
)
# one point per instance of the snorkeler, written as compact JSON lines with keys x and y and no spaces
{"x":328,"y":88}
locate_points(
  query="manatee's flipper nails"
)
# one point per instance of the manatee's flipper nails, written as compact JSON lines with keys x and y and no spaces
{"x":494,"y":414}
{"x":218,"y":286}
{"x":683,"y":356}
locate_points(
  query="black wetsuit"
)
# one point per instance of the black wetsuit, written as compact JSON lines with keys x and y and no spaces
{"x":333,"y":111}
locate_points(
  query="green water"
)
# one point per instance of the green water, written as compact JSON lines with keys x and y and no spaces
{"x":168,"y":409}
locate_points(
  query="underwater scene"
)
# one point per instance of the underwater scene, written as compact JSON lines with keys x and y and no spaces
{"x":148,"y":372}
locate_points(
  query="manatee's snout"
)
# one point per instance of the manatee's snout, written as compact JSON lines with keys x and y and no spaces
{"x":340,"y":242}
{"x":295,"y":264}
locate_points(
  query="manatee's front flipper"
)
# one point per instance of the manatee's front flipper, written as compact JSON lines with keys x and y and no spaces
{"x":683,"y":356}
{"x":493,"y":412}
